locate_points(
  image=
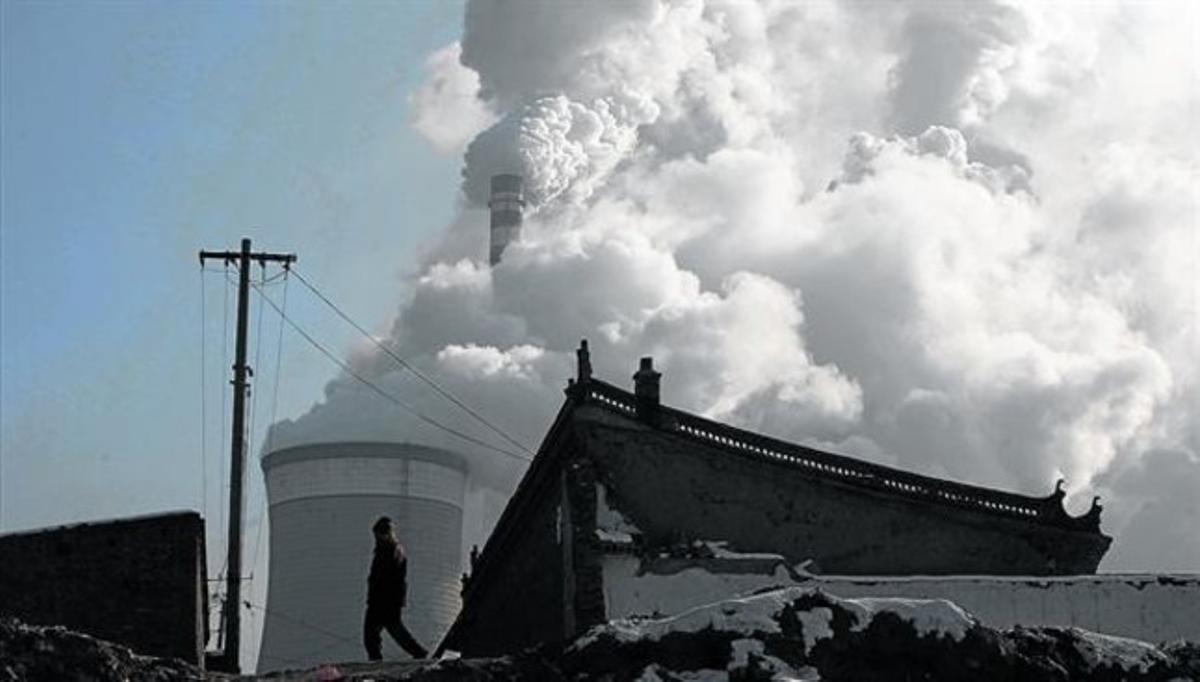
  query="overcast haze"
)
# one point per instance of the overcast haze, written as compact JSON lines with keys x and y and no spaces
{"x":955,"y":238}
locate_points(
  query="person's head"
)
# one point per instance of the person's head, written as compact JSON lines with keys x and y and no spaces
{"x":383,"y":530}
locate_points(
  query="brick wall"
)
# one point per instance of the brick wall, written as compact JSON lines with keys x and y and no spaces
{"x":586,"y":572}
{"x":139,"y":582}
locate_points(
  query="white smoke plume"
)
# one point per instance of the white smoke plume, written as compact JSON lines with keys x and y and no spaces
{"x":959,"y":238}
{"x":558,"y":145}
{"x":446,"y":108}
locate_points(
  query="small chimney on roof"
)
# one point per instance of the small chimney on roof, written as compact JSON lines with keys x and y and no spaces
{"x":583,"y":362}
{"x":507,"y":201}
{"x":646,"y":390}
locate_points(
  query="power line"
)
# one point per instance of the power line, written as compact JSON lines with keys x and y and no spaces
{"x":230,"y":282}
{"x":257,"y":361}
{"x":337,"y":639}
{"x":224,"y":405}
{"x":384,"y":394}
{"x":241,"y":373}
{"x":403,"y":363}
{"x":301,"y":622}
{"x":262,"y":508}
{"x":203,"y":403}
{"x":278,"y":362}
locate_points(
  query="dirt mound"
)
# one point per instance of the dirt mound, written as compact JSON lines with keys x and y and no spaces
{"x":791,"y":633}
{"x":801,"y":634}
{"x":35,"y":653}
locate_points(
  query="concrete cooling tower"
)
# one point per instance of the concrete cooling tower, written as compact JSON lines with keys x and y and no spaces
{"x":323,"y":499}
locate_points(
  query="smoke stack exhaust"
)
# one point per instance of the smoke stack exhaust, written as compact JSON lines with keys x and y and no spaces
{"x":506,"y":203}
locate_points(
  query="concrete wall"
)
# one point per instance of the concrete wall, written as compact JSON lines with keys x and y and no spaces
{"x":677,"y":489}
{"x":1154,"y":608}
{"x":139,"y":582}
{"x":1146,"y":607}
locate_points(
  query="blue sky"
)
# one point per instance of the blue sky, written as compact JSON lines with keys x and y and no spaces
{"x":135,"y":134}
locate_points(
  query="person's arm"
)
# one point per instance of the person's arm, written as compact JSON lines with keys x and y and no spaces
{"x":401,"y":568}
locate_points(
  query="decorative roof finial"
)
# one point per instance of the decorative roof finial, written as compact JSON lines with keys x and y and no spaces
{"x":1091,"y":519}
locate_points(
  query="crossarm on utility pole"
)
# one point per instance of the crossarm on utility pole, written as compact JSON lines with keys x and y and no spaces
{"x":232,"y":256}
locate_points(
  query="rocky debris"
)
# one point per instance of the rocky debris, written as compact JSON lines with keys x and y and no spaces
{"x":808,"y":636}
{"x":34,"y":653}
{"x":532,"y":665}
{"x":778,"y":634}
{"x":803,"y":634}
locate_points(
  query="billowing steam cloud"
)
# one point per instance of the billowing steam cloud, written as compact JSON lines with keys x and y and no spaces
{"x":561,"y":147}
{"x":956,"y":238}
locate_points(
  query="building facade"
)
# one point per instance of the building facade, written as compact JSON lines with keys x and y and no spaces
{"x":621,"y":477}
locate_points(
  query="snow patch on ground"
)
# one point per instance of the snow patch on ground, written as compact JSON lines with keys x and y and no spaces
{"x":759,"y":614}
{"x":615,"y":537}
{"x":1128,"y":654}
{"x":748,"y":615}
{"x":926,"y":615}
{"x":815,"y":625}
{"x":649,"y":674}
{"x":743,"y":650}
{"x":610,"y":519}
{"x":654,"y":673}
{"x":719,"y":549}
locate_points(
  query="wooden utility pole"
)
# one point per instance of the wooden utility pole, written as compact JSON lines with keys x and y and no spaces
{"x":241,"y":387}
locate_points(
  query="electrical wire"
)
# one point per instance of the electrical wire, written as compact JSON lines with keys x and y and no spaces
{"x":257,"y":358}
{"x":403,"y":363}
{"x":224,"y":411}
{"x":278,"y":361}
{"x":274,"y":278}
{"x":217,"y":597}
{"x":384,"y":394}
{"x":336,"y":638}
{"x":269,"y":281}
{"x":262,"y":509}
{"x":203,"y":402}
{"x":301,"y":622}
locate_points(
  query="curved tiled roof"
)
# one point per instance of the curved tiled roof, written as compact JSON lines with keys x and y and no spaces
{"x":840,"y":468}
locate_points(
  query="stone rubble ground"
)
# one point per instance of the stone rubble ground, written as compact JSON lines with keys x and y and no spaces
{"x":30,"y":652}
{"x":780,"y":634}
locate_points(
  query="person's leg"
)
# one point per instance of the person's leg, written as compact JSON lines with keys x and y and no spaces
{"x":405,"y":639}
{"x":371,"y":640}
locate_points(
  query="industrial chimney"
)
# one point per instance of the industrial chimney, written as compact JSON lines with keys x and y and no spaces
{"x":506,"y":204}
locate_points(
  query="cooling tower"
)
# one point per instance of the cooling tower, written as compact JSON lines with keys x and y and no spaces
{"x":323,"y":499}
{"x":506,"y":203}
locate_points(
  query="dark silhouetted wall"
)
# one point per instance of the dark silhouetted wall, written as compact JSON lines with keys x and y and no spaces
{"x":139,"y":582}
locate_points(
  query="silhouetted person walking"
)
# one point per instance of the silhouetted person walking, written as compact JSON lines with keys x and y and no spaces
{"x":387,"y":587}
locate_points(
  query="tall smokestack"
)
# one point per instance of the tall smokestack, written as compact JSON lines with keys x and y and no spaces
{"x":506,"y":204}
